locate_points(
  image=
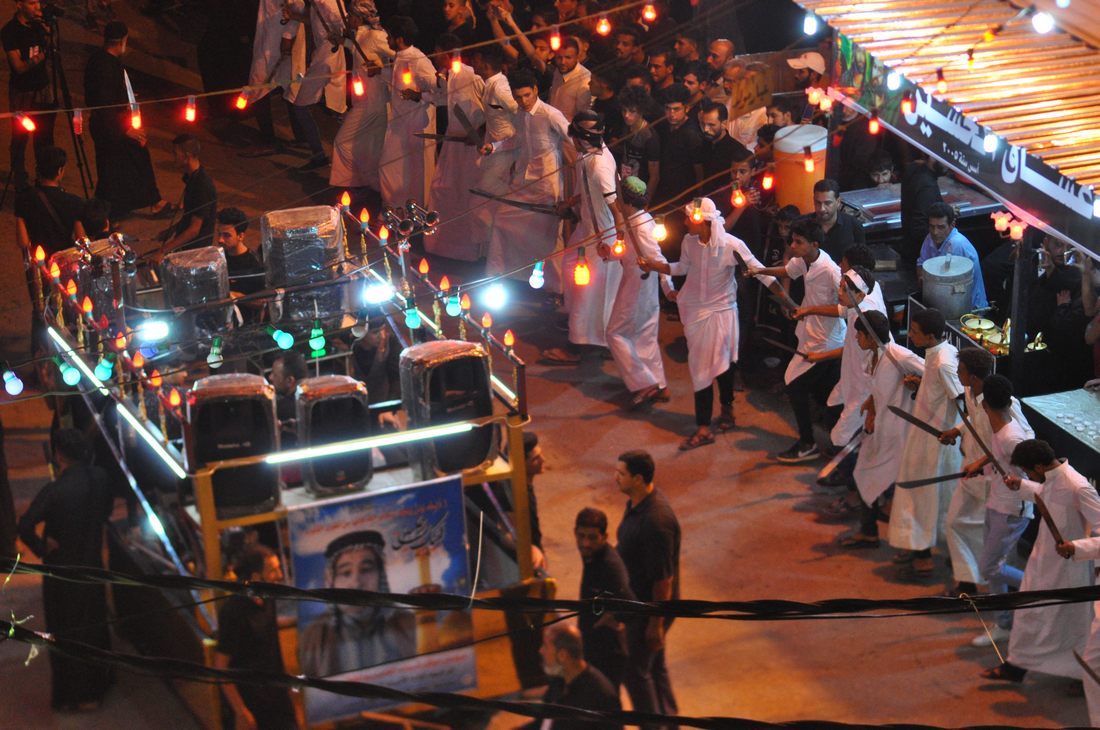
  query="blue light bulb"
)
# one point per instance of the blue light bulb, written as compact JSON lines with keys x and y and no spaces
{"x":454,"y":306}
{"x":284,"y":340}
{"x":70,"y":375}
{"x":412,"y":319}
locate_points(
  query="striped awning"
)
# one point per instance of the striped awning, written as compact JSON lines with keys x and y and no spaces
{"x":976,"y":67}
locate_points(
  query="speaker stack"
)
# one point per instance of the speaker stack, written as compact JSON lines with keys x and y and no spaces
{"x":334,"y":408}
{"x":229,"y":417}
{"x":444,"y":382}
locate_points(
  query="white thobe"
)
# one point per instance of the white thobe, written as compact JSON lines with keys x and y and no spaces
{"x":494,"y":171}
{"x":408,"y":161}
{"x":569,"y":94}
{"x":633,"y":326}
{"x":357,"y":149}
{"x":451,"y":194}
{"x":1044,"y":639}
{"x":915,"y":515}
{"x":326,"y":71}
{"x":877,"y":465}
{"x":590,"y":306}
{"x":815,"y":333}
{"x":522,"y":237}
{"x":1088,"y":548}
{"x":267,"y":49}
{"x":854,"y":386}
{"x":708,"y":302}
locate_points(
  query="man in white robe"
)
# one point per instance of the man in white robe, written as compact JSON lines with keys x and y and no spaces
{"x":632,"y":328}
{"x":455,"y":238}
{"x":408,"y":161}
{"x":271,"y":62}
{"x":493,"y":174}
{"x":521,"y":237}
{"x":709,"y":258}
{"x":876,"y":468}
{"x":1044,"y":639}
{"x":915,"y":513}
{"x":357,"y":149}
{"x":326,"y":68}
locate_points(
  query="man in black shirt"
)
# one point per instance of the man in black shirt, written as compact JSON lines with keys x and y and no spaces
{"x":919,"y":189}
{"x":248,"y":639}
{"x":26,"y":43}
{"x":716,"y":154}
{"x":604,"y":86}
{"x":661,"y":70}
{"x":841,"y":230}
{"x":639,"y":154}
{"x":649,"y":544}
{"x":575,"y":682}
{"x":245,"y":270}
{"x":603,"y":575}
{"x":681,"y":142}
{"x":45,"y":214}
{"x":200,"y":200}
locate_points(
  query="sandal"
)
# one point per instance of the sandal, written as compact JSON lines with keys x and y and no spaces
{"x":662,"y":395}
{"x":696,"y":440}
{"x":722,"y":424}
{"x":859,"y":541}
{"x":1005,"y":672}
{"x":558,"y":356}
{"x":902,"y":558}
{"x":839,"y":507}
{"x":643,"y":396}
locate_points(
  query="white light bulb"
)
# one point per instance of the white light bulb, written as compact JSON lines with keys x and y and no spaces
{"x":378,"y":293}
{"x":1042,"y":22}
{"x":989,"y":144}
{"x":153,"y":330}
{"x":495,"y":296}
{"x":809,"y":24}
{"x":893,"y":81}
{"x":1062,"y":3}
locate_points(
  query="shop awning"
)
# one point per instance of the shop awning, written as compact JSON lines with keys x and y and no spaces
{"x":969,"y":69}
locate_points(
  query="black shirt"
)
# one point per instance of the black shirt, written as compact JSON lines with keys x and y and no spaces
{"x":919,"y":189}
{"x":73,"y":508}
{"x":199,"y":199}
{"x":248,"y":633}
{"x":25,"y":39}
{"x":637,"y":152}
{"x":603,"y":575}
{"x":679,"y":154}
{"x":649,"y":544}
{"x":589,"y":690}
{"x":846,"y":232}
{"x":53,"y":235}
{"x":716,"y":159}
{"x":241,"y":266}
{"x":612,"y":118}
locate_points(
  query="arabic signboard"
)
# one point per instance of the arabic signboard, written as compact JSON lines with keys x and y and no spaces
{"x":406,"y":540}
{"x":1039,"y":192}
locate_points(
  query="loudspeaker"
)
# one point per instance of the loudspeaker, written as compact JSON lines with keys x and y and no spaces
{"x":334,"y":408}
{"x":305,"y":245}
{"x":228,"y":417}
{"x":443,"y":382}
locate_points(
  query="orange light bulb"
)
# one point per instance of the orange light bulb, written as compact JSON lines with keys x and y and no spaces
{"x":383,"y":235}
{"x":87,"y":305}
{"x":465,"y":303}
{"x":813,"y":95}
{"x":39,"y":254}
{"x":120,"y":341}
{"x":357,"y":85}
{"x":70,"y":288}
{"x":155,"y":378}
{"x":135,"y":116}
{"x":907,"y":104}
{"x":826,"y":103}
{"x":738,"y":198}
{"x":26,"y":122}
{"x":603,"y":26}
{"x":423,"y":268}
{"x":941,"y":82}
{"x":138,"y":360}
{"x":807,"y":159}
{"x":582,"y":275}
{"x":174,"y":398}
{"x":242,"y":101}
{"x":456,"y":64}
{"x":486,"y":320}
{"x":649,"y":13}
{"x":509,"y":339}
{"x":619,"y":247}
{"x":345,"y":199}
{"x":364,"y":217}
{"x":767,"y":182}
{"x":55,"y":271}
{"x":874,"y":126}
{"x":444,"y":283}
{"x":189,"y":112}
{"x":407,"y":78}
{"x":555,"y":40}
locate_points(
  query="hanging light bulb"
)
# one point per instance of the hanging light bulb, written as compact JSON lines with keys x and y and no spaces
{"x":738,"y":198}
{"x":495,"y":297}
{"x":618,"y":248}
{"x":174,"y":399}
{"x":284,"y":340}
{"x":105,"y":368}
{"x":810,"y":24}
{"x":86,"y":306}
{"x":582,"y":276}
{"x":813,"y":95}
{"x":603,"y":26}
{"x":138,"y":360}
{"x":941,"y":82}
{"x":12,"y":384}
{"x":316,"y":337}
{"x":155,"y":378}
{"x":660,"y":232}
{"x":454,"y":306}
{"x":486,"y":321}
{"x":970,"y":58}
{"x":1000,"y":220}
{"x":767,"y":181}
{"x":893,"y":81}
{"x":25,"y":122}
{"x":874,"y":126}
{"x":406,"y":78}
{"x":214,"y":359}
{"x":538,"y":278}
{"x":55,"y":272}
{"x":456,"y":63}
{"x":907,"y":103}
{"x":242,"y":101}
{"x":423,"y":267}
{"x":696,"y":211}
{"x":412,"y":318}
{"x":1042,"y":23}
{"x":649,"y":12}
{"x":807,"y":159}
{"x":555,"y":39}
{"x":135,"y":116}
{"x":509,"y":339}
{"x":465,"y":302}
{"x":357,"y":85}
{"x":1016,"y":230}
{"x":69,"y":375}
{"x":189,"y":111}
{"x":78,"y":122}
{"x":826,"y":103}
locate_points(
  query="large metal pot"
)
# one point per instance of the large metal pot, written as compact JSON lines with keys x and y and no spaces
{"x":947,"y":284}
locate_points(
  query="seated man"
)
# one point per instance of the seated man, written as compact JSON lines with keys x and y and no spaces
{"x":944,"y":239}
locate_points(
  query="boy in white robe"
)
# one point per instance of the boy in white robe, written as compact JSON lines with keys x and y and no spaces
{"x":709,"y":258}
{"x":326,"y":70}
{"x":876,"y":466}
{"x":915,"y":513}
{"x":1045,"y":638}
{"x":408,"y":161}
{"x":493,"y":173}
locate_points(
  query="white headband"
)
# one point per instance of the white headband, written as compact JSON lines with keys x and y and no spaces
{"x":854,"y":279}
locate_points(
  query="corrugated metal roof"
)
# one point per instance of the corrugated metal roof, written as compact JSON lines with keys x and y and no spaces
{"x":1039,"y":92}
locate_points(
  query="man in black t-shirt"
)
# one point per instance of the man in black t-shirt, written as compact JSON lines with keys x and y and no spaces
{"x":245,"y":270}
{"x":841,"y":230}
{"x":248,"y":639}
{"x":717,"y":154}
{"x":26,"y":45}
{"x":639,"y":154}
{"x":603,"y":575}
{"x":681,"y":141}
{"x":200,"y":200}
{"x":45,"y":214}
{"x":574,"y":683}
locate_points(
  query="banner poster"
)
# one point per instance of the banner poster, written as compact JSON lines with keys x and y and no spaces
{"x":411,"y":539}
{"x":932,"y":123}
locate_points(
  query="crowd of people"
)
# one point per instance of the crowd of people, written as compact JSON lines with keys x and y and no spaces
{"x":552,"y":144}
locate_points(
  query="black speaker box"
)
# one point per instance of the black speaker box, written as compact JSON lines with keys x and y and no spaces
{"x":334,"y":408}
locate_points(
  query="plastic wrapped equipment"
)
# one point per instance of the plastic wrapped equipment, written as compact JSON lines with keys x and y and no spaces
{"x":304,"y":245}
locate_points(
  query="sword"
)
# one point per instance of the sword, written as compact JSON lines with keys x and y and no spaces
{"x":1088,"y":670}
{"x":922,"y":425}
{"x":914,"y":483}
{"x":785,"y":348}
{"x":129,"y":89}
{"x":778,"y":294}
{"x":536,"y":207}
{"x":840,"y":456}
{"x":472,"y":137}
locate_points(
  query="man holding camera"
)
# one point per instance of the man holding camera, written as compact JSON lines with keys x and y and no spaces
{"x":26,"y":43}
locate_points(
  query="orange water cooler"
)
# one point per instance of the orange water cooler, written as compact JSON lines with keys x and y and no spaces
{"x":794,"y":185}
